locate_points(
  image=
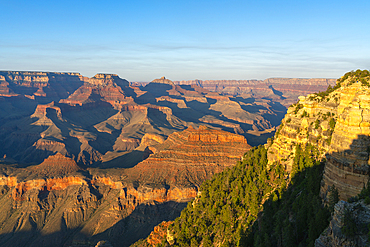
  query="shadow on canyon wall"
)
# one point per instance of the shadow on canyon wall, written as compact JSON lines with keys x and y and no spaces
{"x":124,"y":233}
{"x":300,"y":201}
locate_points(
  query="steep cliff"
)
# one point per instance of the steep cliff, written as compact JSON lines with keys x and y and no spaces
{"x":337,"y":123}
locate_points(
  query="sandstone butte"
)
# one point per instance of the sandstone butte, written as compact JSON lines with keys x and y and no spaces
{"x":190,"y":157}
{"x":339,"y":126}
{"x":78,"y":205}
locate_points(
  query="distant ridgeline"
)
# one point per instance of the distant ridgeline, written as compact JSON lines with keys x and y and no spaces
{"x":283,"y":193}
{"x":283,"y":90}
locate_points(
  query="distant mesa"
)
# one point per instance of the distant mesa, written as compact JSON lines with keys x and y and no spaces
{"x":163,"y":80}
{"x":108,"y":79}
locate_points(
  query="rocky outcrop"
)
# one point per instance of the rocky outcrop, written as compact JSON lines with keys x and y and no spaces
{"x":189,"y":157}
{"x":338,"y":125}
{"x":348,"y":227}
{"x":347,"y":165}
{"x":159,"y":232}
{"x":309,"y":121}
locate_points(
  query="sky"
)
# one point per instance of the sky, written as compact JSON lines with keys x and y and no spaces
{"x":186,"y":40}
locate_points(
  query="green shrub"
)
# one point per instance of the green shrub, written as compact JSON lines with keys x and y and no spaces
{"x":332,"y":123}
{"x":317,"y":123}
{"x":297,"y":108}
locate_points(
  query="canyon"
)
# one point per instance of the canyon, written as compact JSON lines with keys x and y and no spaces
{"x":332,"y":126}
{"x":91,"y":159}
{"x":61,"y":203}
{"x":102,"y":120}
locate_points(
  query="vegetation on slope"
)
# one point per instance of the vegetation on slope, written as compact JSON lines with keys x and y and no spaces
{"x":353,"y":76}
{"x":229,"y":203}
{"x":298,"y":217}
{"x":251,"y":205}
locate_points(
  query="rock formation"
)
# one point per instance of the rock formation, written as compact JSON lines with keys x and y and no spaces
{"x":59,"y":203}
{"x":56,"y":166}
{"x":189,"y":157}
{"x":102,"y":120}
{"x":338,"y":125}
{"x":335,"y":235}
{"x":163,"y":80}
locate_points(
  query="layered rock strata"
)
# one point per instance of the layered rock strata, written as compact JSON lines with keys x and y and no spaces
{"x":347,"y":165}
{"x":339,"y":126}
{"x":285,"y":90}
{"x":59,"y":203}
{"x":190,"y":157}
{"x":71,"y":210}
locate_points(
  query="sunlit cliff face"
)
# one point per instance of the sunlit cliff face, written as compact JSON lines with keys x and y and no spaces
{"x":339,"y":126}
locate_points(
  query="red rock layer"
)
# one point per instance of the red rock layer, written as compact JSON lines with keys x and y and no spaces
{"x":189,"y":157}
{"x":128,"y":195}
{"x":159,"y":232}
{"x":64,"y":209}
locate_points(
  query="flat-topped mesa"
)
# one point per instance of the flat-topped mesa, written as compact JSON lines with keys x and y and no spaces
{"x":163,"y":80}
{"x":45,"y":85}
{"x":108,"y":79}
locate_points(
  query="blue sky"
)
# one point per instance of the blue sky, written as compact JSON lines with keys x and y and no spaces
{"x":183,"y":40}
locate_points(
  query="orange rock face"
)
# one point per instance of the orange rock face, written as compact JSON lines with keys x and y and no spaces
{"x":22,"y":188}
{"x":159,"y":232}
{"x":189,"y":157}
